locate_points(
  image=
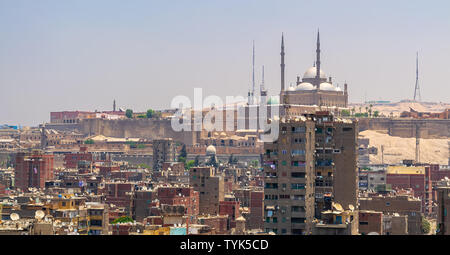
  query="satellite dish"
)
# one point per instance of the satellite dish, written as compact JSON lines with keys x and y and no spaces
{"x":14,"y":216}
{"x":338,"y":207}
{"x":39,"y":215}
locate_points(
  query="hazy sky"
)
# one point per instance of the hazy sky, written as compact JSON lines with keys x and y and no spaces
{"x":80,"y":55}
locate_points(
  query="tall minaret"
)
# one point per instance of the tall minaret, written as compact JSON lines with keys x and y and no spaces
{"x":262,"y":92}
{"x":114,"y":105}
{"x":282,"y":63}
{"x":253,"y":75}
{"x":318,"y":60}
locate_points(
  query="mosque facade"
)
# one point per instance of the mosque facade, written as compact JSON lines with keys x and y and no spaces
{"x":314,"y":88}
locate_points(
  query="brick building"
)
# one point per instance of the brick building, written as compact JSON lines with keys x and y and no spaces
{"x":185,"y":196}
{"x":370,"y":221}
{"x":210,"y":188}
{"x":33,"y":169}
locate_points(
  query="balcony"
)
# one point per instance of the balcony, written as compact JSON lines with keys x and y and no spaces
{"x":298,"y":214}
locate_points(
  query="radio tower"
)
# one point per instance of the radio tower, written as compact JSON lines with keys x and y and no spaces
{"x":417,"y":88}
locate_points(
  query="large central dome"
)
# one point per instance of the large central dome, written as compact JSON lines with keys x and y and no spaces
{"x":311,"y":73}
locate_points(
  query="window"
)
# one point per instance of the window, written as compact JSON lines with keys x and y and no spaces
{"x":297,"y":209}
{"x":271,"y":185}
{"x":363,"y":223}
{"x":298,"y":129}
{"x":297,"y":175}
{"x":297,"y":186}
{"x":298,"y":197}
{"x":298,"y":163}
{"x":298,"y":220}
{"x":297,"y":152}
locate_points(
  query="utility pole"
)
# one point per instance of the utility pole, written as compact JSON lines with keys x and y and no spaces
{"x":417,"y":143}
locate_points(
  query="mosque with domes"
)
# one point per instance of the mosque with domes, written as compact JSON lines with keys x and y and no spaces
{"x":314,"y":88}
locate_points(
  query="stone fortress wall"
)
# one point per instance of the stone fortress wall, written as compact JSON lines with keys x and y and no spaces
{"x":406,"y":128}
{"x":135,"y":128}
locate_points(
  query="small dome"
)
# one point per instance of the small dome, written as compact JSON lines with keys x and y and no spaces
{"x":223,"y":134}
{"x":311,"y":73}
{"x":327,"y":86}
{"x":273,"y":100}
{"x":211,"y":150}
{"x":338,"y":89}
{"x":291,"y":88}
{"x":305,"y":86}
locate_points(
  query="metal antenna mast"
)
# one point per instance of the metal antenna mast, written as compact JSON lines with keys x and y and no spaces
{"x":417,"y":88}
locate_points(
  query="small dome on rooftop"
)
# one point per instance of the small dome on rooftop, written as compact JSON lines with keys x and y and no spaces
{"x":211,"y":150}
{"x":305,"y":86}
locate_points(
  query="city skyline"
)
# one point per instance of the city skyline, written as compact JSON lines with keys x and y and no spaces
{"x":142,"y":54}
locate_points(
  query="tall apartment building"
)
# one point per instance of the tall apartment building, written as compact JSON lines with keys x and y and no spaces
{"x":289,"y":178}
{"x":443,"y":201}
{"x":210,"y":188}
{"x":314,"y":159}
{"x":164,"y":150}
{"x":335,"y":161}
{"x":33,"y":169}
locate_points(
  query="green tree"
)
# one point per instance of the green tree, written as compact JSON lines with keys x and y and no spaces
{"x":190,"y":164}
{"x":426,"y":226}
{"x":123,"y":219}
{"x":230,"y":160}
{"x":345,"y":113}
{"x":376,"y":114}
{"x":150,"y":113}
{"x":197,"y":160}
{"x":89,"y":141}
{"x":212,"y":161}
{"x":183,"y":152}
{"x":144,"y":166}
{"x":129,"y":113}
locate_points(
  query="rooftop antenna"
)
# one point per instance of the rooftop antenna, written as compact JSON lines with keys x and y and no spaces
{"x":417,"y":88}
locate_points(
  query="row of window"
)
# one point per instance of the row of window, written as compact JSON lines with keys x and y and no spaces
{"x":293,"y":197}
{"x":294,"y":186}
{"x":293,"y":174}
{"x":283,"y":219}
{"x":295,"y":231}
